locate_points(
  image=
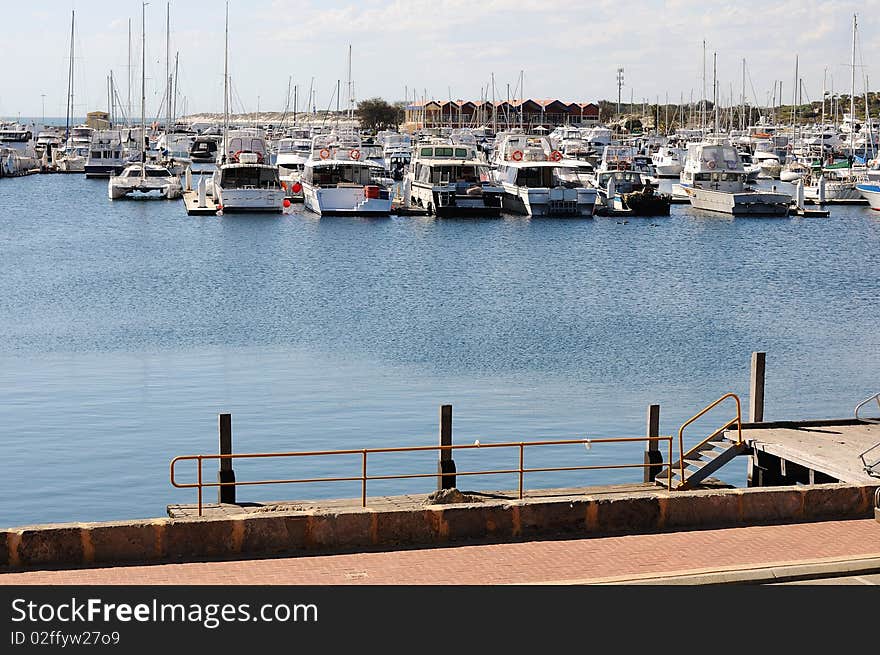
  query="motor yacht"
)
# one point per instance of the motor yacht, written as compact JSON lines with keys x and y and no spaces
{"x":449,"y":179}
{"x":714,"y":180}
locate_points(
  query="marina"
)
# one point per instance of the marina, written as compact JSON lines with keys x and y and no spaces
{"x":332,"y":269}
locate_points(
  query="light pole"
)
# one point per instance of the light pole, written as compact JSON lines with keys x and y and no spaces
{"x":619,"y":87}
{"x":43,"y":97}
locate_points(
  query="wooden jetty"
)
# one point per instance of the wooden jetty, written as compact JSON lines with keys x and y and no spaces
{"x":191,"y":201}
{"x":197,"y":200}
{"x":810,"y":452}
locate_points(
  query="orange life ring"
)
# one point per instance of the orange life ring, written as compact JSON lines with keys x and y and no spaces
{"x":555,"y":156}
{"x":517,"y":155}
{"x":354,"y":153}
{"x":324,"y":154}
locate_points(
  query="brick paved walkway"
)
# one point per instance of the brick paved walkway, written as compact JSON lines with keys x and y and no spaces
{"x":529,"y":562}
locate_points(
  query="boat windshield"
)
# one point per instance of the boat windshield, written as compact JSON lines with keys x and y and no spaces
{"x":244,"y":177}
{"x":151,"y":172}
{"x":446,"y":174}
{"x":336,"y":174}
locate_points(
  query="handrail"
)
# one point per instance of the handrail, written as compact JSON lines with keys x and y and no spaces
{"x":363,"y":478}
{"x":737,"y":420}
{"x":876,"y":397}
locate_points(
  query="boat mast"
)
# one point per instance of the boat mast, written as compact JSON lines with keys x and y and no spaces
{"x":225,"y":85}
{"x":794,"y":101}
{"x":143,"y":90}
{"x":852,"y":95}
{"x":128,"y":105}
{"x":742,"y":111}
{"x":167,"y":69}
{"x":350,"y":94}
{"x":176,"y":85}
{"x":715,"y":89}
{"x":494,"y":108}
{"x":703,"y":100}
{"x":824,"y":80}
{"x":69,"y":82}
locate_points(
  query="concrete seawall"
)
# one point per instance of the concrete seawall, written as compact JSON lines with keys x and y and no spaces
{"x":316,"y":530}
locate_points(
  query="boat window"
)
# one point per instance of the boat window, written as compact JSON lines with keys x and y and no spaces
{"x":461,"y":153}
{"x":535,"y":177}
{"x":249,"y":176}
{"x":333,"y":175}
{"x":158,"y":172}
{"x":443,"y":152}
{"x":427,"y":152}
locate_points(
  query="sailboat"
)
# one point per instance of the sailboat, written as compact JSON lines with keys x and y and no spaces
{"x":149,"y":179}
{"x":840,"y":182}
{"x":71,"y":158}
{"x":244,"y":180}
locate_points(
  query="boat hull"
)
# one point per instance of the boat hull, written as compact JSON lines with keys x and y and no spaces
{"x":250,"y":200}
{"x":444,"y":202}
{"x":871,"y":193}
{"x":576,"y":203}
{"x":744,"y":203}
{"x":344,"y":201}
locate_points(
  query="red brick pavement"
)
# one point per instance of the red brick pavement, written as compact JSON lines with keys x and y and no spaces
{"x":525,"y":562}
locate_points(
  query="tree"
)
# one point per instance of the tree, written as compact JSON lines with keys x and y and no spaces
{"x":376,"y":114}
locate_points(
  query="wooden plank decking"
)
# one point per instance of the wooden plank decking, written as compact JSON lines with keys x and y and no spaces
{"x":831,"y":448}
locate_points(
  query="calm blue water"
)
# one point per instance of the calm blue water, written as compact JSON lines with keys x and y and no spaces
{"x":126,"y":327}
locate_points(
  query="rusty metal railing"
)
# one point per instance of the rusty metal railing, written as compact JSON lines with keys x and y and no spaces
{"x":364,"y":477}
{"x":736,"y":420}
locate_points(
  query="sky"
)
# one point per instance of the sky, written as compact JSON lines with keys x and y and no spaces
{"x":565,"y":49}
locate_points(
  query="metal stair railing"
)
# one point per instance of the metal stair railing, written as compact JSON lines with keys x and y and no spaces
{"x":868,"y":419}
{"x":737,"y":420}
{"x":871,"y":468}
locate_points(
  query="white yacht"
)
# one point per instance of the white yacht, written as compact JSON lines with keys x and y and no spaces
{"x":106,"y":155}
{"x":147,"y":180}
{"x":243,"y":179}
{"x":46,"y":144}
{"x":766,"y":156}
{"x":203,"y":153}
{"x":714,"y":179}
{"x":291,"y":157}
{"x":71,"y":158}
{"x":830,"y":185}
{"x":668,"y":161}
{"x":449,"y":179}
{"x":528,"y":170}
{"x":17,"y":154}
{"x":870,"y":191}
{"x":336,"y":181}
{"x":175,"y":150}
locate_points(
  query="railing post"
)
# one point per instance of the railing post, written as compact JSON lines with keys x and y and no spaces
{"x":446,"y":465}
{"x":225,"y":493}
{"x":653,"y":456}
{"x":756,"y":388}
